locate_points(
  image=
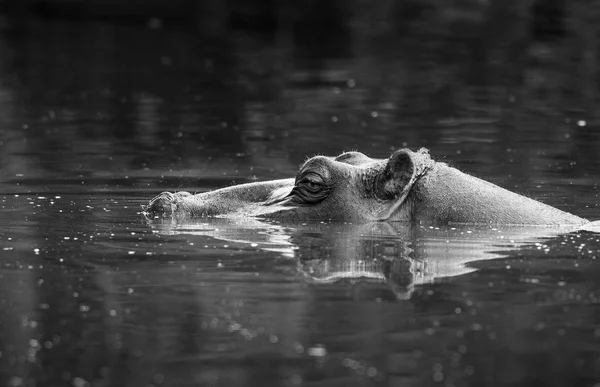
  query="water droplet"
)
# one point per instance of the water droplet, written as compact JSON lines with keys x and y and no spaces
{"x":317,"y":351}
{"x":80,"y":382}
{"x":15,"y":381}
{"x":154,"y":23}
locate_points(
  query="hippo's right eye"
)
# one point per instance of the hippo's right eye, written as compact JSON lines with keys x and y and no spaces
{"x":310,"y":189}
{"x":312,"y":186}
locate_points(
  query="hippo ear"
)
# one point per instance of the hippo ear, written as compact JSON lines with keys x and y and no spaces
{"x":402,"y":170}
{"x":396,"y":177}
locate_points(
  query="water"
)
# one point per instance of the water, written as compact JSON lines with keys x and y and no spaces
{"x":92,"y":293}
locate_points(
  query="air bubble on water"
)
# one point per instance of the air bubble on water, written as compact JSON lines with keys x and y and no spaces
{"x":154,"y":23}
{"x":247,"y":334}
{"x":540,"y":326}
{"x":296,"y":380}
{"x":15,"y":381}
{"x":167,"y":61}
{"x":234,"y":327}
{"x":80,"y":382}
{"x":299,"y":348}
{"x":317,"y":351}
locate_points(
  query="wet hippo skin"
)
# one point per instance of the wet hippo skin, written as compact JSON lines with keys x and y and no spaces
{"x":408,"y":186}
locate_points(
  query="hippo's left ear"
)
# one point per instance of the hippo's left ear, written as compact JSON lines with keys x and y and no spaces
{"x":402,"y":170}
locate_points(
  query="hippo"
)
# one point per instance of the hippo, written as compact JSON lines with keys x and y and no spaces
{"x":409,"y":186}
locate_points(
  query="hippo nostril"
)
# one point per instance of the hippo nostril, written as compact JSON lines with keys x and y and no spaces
{"x":161,"y":204}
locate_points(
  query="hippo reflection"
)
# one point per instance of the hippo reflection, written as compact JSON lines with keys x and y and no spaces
{"x":399,"y":254}
{"x":408,"y":186}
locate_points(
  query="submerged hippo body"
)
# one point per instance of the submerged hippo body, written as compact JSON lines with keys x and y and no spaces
{"x":409,"y":186}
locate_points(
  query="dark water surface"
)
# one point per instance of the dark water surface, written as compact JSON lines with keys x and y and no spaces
{"x":97,"y":118}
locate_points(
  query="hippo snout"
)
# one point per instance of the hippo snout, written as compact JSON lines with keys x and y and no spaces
{"x":164,"y":204}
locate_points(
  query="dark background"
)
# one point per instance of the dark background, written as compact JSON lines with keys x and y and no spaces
{"x":142,"y":85}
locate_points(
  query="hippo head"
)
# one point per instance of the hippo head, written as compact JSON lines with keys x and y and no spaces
{"x":349,"y":187}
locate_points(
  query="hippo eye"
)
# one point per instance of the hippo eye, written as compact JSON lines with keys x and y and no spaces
{"x":310,"y":189}
{"x":313,"y":186}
